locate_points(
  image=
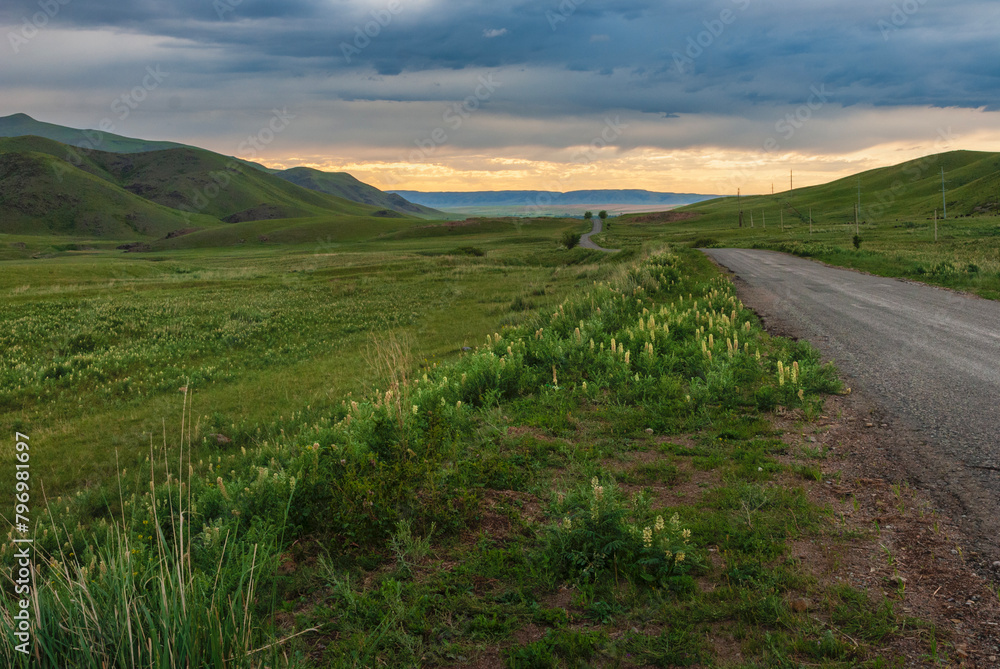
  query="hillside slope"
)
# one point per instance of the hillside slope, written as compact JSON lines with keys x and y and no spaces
{"x":339,"y":184}
{"x":195,"y":181}
{"x":910,"y":189}
{"x":348,"y":187}
{"x":17,"y":125}
{"x":44,"y":195}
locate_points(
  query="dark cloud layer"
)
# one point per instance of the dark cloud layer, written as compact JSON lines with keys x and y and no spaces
{"x":564,"y":64}
{"x":910,"y":52}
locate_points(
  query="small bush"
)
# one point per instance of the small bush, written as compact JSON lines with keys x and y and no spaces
{"x":599,"y":534}
{"x":570,"y":239}
{"x":521,"y":303}
{"x":705,"y":243}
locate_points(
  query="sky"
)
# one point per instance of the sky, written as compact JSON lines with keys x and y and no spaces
{"x":701,"y":96}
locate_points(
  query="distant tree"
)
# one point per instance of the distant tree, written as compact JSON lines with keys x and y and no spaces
{"x":570,"y":239}
{"x":587,"y":215}
{"x":857,"y":242}
{"x":603,"y":215}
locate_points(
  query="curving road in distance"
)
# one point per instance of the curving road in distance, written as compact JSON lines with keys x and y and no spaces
{"x":587,"y":243}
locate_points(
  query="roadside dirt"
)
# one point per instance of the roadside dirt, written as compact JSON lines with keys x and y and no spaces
{"x":932,"y":406}
{"x":881,"y":475}
{"x":912,"y":550}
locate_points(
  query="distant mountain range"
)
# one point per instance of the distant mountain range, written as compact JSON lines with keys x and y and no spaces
{"x":57,"y":180}
{"x":547,"y":199}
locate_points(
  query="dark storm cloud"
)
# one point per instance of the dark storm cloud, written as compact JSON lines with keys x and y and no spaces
{"x":914,"y":52}
{"x":559,"y":59}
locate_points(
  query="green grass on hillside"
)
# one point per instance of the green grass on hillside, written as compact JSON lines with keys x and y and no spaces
{"x":17,"y":125}
{"x":346,"y":186}
{"x":42,"y":195}
{"x":48,"y":188}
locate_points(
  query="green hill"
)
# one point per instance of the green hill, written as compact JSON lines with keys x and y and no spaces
{"x":43,"y":195}
{"x":193,"y":181}
{"x":22,"y":124}
{"x":196,"y":180}
{"x":346,"y":186}
{"x":908,"y":190}
{"x":340,"y":184}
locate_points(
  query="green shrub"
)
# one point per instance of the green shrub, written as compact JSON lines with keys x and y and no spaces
{"x":599,"y":534}
{"x":521,"y":303}
{"x":570,"y":239}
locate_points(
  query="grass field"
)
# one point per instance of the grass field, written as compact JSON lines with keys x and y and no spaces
{"x":96,"y":344}
{"x":280,"y":453}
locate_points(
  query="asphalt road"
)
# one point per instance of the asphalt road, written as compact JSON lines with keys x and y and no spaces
{"x":585,"y":241}
{"x":928,"y":356}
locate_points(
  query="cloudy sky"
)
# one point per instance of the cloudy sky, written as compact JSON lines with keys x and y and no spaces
{"x":696,"y":95}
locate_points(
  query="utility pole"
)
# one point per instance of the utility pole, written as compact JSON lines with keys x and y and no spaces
{"x":739,"y":201}
{"x":944,"y":195}
{"x":764,"y":215}
{"x":791,"y":180}
{"x":857,"y":230}
{"x":751,"y":218}
{"x":857,"y":214}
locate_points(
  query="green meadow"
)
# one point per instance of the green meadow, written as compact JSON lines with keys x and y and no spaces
{"x":391,"y":442}
{"x":97,"y":343}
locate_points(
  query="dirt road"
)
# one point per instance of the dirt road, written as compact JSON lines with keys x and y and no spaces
{"x":587,"y":243}
{"x":926,"y":357}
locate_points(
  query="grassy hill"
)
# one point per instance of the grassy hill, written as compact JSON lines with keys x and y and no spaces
{"x":340,"y":184}
{"x":43,"y":195}
{"x":346,"y":186}
{"x":197,"y":184}
{"x":911,"y":189}
{"x":21,"y":124}
{"x":195,"y":179}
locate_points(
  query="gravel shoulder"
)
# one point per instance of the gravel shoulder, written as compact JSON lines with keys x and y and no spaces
{"x":924,"y":414}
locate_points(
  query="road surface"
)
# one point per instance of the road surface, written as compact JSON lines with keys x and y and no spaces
{"x":928,"y":356}
{"x":585,"y":241}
